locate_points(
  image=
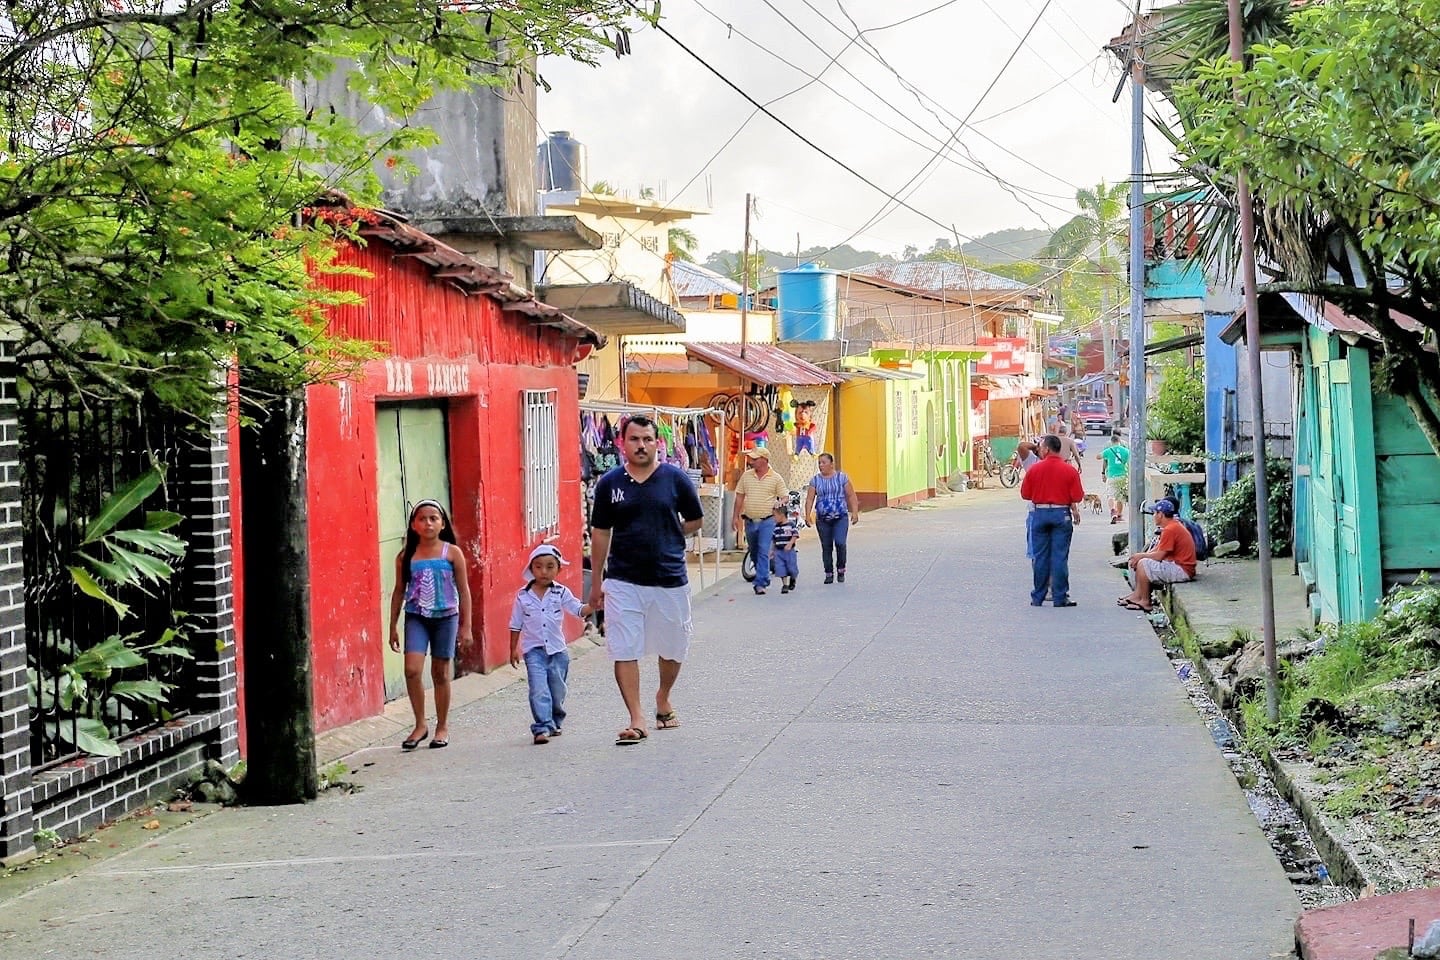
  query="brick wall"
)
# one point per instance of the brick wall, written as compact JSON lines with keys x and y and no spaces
{"x":16,"y":827}
{"x":77,"y":797}
{"x":210,"y":595}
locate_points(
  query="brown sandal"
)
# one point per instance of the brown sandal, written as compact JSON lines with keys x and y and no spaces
{"x":666,"y":721}
{"x":630,"y":736}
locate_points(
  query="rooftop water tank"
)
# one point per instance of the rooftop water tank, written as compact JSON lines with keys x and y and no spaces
{"x":807,"y":306}
{"x":562,"y":162}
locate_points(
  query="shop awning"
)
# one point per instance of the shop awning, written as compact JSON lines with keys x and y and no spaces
{"x":615,"y":309}
{"x":763,"y":363}
{"x":1002,"y":387}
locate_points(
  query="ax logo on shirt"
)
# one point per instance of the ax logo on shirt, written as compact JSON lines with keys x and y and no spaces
{"x":617,"y":495}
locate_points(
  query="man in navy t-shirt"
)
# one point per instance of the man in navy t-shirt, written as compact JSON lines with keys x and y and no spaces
{"x":643,"y":512}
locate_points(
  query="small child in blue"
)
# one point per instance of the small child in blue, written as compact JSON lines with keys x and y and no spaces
{"x":537,"y":638}
{"x":784,"y":559}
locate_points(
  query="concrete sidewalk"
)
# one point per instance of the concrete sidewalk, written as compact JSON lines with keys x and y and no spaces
{"x":912,"y":764}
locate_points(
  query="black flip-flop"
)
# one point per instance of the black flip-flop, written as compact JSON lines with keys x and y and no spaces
{"x":624,"y":741}
{"x":412,"y":744}
{"x":439,"y":744}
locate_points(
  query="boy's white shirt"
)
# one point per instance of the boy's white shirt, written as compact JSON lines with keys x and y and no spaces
{"x":539,"y":619}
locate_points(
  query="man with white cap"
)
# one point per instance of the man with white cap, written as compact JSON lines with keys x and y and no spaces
{"x":643,"y":511}
{"x":756,"y":493}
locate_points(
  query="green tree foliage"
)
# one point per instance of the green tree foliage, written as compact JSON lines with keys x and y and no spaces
{"x":1334,"y":122}
{"x":682,"y":244}
{"x":1086,"y":252}
{"x":158,"y":157}
{"x":1177,"y":414}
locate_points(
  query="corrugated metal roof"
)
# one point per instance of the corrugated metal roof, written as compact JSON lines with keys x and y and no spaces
{"x":452,"y":266}
{"x":693,"y":280}
{"x":657,"y":362}
{"x":939,"y":275}
{"x":763,"y":363}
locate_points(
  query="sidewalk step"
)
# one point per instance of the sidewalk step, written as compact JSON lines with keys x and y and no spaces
{"x":1364,"y":928}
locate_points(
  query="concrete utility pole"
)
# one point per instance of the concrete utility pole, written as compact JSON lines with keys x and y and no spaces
{"x":1137,"y":290}
{"x":1257,"y":397}
{"x":745,"y":281}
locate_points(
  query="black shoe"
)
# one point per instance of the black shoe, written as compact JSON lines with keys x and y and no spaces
{"x":785,"y":588}
{"x":1066,"y":603}
{"x":792,"y":583}
{"x":840,"y":576}
{"x":829,"y":578}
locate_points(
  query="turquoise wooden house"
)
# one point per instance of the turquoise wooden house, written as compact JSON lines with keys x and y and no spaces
{"x":1366,"y":481}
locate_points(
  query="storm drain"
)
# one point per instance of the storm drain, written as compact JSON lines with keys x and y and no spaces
{"x":1283,"y":826}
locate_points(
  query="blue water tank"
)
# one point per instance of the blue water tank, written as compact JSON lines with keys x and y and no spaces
{"x":807,"y":306}
{"x":561,"y":160}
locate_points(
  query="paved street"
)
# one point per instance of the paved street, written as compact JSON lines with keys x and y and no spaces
{"x":913,"y":764}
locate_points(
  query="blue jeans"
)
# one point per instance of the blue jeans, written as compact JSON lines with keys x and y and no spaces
{"x":1029,"y":534}
{"x":1051,"y":532}
{"x":759,"y":534}
{"x":786,"y":563}
{"x":832,"y":535}
{"x":546,"y":673}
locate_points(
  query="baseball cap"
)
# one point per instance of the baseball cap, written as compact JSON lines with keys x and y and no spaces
{"x":1165,"y":507}
{"x":754,"y":452}
{"x":544,"y":550}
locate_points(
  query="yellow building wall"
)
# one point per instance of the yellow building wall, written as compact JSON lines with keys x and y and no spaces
{"x":862,"y":440}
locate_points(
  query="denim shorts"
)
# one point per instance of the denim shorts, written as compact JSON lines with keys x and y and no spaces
{"x":432,"y":635}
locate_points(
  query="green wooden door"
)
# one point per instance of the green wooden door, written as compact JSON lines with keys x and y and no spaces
{"x":414,"y":464}
{"x":1345,"y":491}
{"x":1325,"y":551}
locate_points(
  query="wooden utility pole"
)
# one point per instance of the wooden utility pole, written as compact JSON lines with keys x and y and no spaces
{"x":279,"y":699}
{"x":1257,"y":395}
{"x":745,"y":281}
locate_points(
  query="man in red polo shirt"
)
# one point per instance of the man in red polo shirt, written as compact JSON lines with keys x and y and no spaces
{"x":1054,"y":487}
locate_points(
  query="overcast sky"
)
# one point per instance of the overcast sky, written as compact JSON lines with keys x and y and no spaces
{"x":657,"y":117}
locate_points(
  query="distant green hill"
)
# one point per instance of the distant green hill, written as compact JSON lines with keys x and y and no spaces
{"x":1007,"y":246}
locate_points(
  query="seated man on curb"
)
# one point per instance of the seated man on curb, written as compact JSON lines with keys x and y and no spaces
{"x":1172,"y":560}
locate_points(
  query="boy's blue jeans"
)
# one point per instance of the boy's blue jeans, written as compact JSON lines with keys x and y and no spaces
{"x":546,"y":673}
{"x":785,"y":563}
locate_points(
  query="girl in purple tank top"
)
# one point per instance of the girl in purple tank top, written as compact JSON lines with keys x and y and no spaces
{"x":431,"y":588}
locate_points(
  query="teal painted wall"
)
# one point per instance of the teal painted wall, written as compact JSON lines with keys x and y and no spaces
{"x":1408,"y":480}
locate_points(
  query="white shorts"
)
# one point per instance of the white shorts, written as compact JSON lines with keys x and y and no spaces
{"x":647,"y":621}
{"x":1164,"y":571}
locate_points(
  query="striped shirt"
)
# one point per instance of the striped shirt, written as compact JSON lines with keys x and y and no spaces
{"x":784,"y":533}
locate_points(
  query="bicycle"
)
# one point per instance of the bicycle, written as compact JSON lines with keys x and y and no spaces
{"x":1007,"y":472}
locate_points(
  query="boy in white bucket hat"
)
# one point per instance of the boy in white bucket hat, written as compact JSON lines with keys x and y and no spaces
{"x":537,"y":637}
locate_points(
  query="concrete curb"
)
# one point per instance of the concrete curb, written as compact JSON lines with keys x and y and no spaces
{"x":1343,"y":865}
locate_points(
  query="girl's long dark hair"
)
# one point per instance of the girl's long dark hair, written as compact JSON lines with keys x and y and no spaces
{"x":412,"y":539}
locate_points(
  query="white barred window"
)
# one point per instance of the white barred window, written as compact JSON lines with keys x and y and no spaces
{"x":899,"y":414}
{"x":542,"y":462}
{"x":915,"y":414}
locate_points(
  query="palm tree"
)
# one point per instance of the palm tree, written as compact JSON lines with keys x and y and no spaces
{"x":603,"y":187}
{"x":682,"y":244}
{"x":1094,"y":236}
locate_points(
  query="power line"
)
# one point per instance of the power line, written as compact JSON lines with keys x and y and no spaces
{"x":883,"y":211}
{"x":978,"y":168}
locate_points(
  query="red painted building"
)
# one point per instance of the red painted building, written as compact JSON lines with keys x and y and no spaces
{"x":474,"y":403}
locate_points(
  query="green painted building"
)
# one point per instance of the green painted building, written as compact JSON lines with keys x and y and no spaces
{"x":1366,"y":481}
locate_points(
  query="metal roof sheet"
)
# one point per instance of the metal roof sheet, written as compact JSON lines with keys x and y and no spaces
{"x":451,"y":266}
{"x":939,"y":275}
{"x":693,"y":280}
{"x":763,"y":363}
